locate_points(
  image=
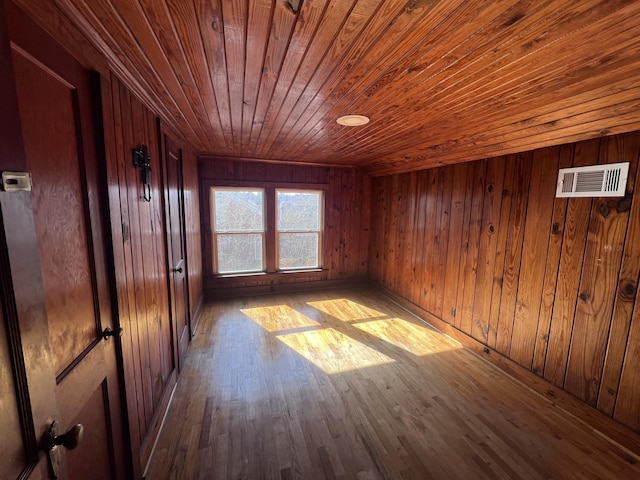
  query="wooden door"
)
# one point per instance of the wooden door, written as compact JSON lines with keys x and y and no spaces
{"x":174,"y":199}
{"x":69,"y":365}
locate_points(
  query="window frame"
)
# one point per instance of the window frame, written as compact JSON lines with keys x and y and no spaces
{"x":270,"y":257}
{"x":215,"y":234}
{"x":319,"y":232}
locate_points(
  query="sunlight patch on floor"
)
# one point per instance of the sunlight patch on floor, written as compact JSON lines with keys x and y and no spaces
{"x":279,"y":317}
{"x":333,"y":351}
{"x":413,"y":338}
{"x":345,"y":310}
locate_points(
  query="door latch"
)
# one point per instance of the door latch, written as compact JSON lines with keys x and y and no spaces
{"x":109,"y":332}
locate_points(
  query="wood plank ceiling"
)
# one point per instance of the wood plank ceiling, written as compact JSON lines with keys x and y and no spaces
{"x":442,"y":81}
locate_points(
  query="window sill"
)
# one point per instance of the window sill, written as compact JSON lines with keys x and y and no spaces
{"x":261,"y":275}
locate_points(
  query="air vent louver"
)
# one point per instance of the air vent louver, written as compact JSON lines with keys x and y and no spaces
{"x":609,"y":180}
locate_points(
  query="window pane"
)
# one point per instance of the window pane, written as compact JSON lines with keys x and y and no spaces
{"x":298,"y":211}
{"x":238,"y":210}
{"x":298,"y":250}
{"x":240,"y":253}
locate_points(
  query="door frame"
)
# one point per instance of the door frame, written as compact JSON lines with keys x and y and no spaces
{"x":163,"y":137}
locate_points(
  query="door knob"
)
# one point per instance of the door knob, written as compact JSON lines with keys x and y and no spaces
{"x":69,"y":440}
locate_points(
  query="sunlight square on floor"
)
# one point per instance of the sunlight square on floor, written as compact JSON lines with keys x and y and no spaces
{"x":332,"y":351}
{"x":345,"y":310}
{"x":277,"y":318}
{"x":413,"y":338}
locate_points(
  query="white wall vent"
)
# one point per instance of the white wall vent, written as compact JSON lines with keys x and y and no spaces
{"x":609,"y":180}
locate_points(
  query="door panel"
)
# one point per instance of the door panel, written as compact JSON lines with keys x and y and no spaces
{"x":178,"y":263}
{"x":53,"y":158}
{"x":56,"y":117}
{"x":94,"y":412}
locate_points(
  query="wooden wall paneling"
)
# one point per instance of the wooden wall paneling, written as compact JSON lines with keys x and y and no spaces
{"x":487,"y":248}
{"x":160,"y":323}
{"x":534,"y":251}
{"x":147,"y":272}
{"x":338,"y":251}
{"x":386,"y":213}
{"x":434,"y":237}
{"x":464,"y":243}
{"x":549,"y":285}
{"x":119,"y":223}
{"x":418,"y":235}
{"x":136,"y":277}
{"x":471,"y":250}
{"x":426,"y":245}
{"x":445,"y":182}
{"x":599,"y":282}
{"x":619,"y":338}
{"x":357,"y":204}
{"x":345,"y":207}
{"x":375,"y":228}
{"x":502,"y":231}
{"x":343,"y":210}
{"x":132,"y":355}
{"x":455,"y":226}
{"x":331,"y":226}
{"x":391,"y":233}
{"x":545,"y":253}
{"x":626,"y":408}
{"x":513,"y":251}
{"x":365,"y":225}
{"x":569,"y":270}
{"x":403,"y":243}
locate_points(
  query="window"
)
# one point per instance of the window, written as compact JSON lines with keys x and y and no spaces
{"x":238,"y":229}
{"x":299,"y":232}
{"x":265,"y":229}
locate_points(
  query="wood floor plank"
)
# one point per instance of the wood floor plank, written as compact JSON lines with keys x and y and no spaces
{"x":345,"y":384}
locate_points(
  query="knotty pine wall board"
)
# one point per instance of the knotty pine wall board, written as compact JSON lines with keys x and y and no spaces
{"x":549,"y":283}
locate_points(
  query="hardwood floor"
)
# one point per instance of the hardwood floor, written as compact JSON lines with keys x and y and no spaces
{"x":347,"y":385}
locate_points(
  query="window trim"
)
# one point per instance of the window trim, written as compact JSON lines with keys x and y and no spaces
{"x":319,"y":232}
{"x":215,"y":235}
{"x":270,"y":238}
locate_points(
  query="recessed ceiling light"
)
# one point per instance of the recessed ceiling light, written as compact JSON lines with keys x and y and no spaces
{"x":353,"y":120}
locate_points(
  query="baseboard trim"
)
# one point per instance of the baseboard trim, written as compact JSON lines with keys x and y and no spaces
{"x":196,"y":316}
{"x":601,"y":424}
{"x":224,"y":293}
{"x":149,"y":442}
